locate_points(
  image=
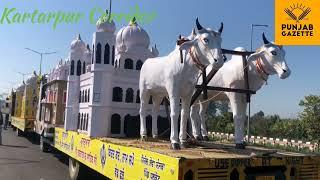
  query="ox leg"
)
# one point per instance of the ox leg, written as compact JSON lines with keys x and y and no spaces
{"x":238,"y":106}
{"x":174,"y":114}
{"x":155,"y":111}
{"x":195,"y":121}
{"x":185,"y":113}
{"x":203,"y":117}
{"x":144,"y":98}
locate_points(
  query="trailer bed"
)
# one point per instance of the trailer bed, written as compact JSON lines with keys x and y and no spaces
{"x":22,"y":123}
{"x":118,"y":158}
{"x":203,"y":149}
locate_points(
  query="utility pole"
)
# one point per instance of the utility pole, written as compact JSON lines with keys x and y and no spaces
{"x":41,"y":54}
{"x":252,"y":28}
{"x":23,"y":75}
{"x":249,"y":106}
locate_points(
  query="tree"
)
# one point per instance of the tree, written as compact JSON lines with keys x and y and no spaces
{"x":310,"y":116}
{"x":223,"y":107}
{"x":221,"y":123}
{"x":219,"y":118}
{"x":257,"y":115}
{"x":212,"y":109}
{"x":216,"y":107}
{"x":257,"y":124}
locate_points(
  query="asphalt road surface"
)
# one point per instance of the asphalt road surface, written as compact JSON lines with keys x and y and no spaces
{"x":21,"y":159}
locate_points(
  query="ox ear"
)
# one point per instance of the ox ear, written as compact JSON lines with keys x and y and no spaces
{"x":187,"y":45}
{"x":193,"y":33}
{"x":255,"y":56}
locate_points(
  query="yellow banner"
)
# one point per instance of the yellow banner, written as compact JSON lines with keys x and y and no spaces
{"x":116,"y":161}
{"x":297,"y":22}
{"x":22,"y":123}
{"x":18,"y":123}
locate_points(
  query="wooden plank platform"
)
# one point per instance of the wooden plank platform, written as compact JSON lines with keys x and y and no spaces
{"x":202,"y":150}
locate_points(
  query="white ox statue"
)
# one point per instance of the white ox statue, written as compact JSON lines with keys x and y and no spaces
{"x":167,"y":77}
{"x":267,"y":60}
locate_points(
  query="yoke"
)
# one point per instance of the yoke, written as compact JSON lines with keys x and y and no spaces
{"x":206,"y":79}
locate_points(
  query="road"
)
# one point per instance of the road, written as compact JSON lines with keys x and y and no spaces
{"x":21,"y":159}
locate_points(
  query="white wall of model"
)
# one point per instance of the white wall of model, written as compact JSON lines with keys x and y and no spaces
{"x":60,"y":72}
{"x":102,"y":89}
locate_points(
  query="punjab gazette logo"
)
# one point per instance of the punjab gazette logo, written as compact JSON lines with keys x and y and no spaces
{"x":297,"y":12}
{"x":296,"y":22}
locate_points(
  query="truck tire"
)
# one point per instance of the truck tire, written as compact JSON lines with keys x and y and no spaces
{"x":44,"y":147}
{"x":77,"y":171}
{"x":18,"y":132}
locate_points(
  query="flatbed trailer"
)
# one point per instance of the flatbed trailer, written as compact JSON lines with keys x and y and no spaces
{"x":117,"y":158}
{"x":24,"y":105}
{"x":22,"y":124}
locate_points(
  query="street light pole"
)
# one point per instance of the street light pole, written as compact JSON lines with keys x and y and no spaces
{"x":249,"y":108}
{"x":23,"y":75}
{"x":40,"y":70}
{"x":40,"y":64}
{"x":41,"y":55}
{"x":252,"y":28}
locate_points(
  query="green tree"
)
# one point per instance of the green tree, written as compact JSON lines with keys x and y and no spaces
{"x":219,"y":118}
{"x":310,"y":116}
{"x":221,"y":123}
{"x":212,"y":109}
{"x":222,"y":106}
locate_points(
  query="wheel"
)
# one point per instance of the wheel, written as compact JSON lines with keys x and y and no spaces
{"x":77,"y":171}
{"x":74,"y":168}
{"x":44,"y":147}
{"x":18,"y":132}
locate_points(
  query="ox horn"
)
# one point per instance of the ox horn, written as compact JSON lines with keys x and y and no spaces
{"x":265,"y":40}
{"x":199,"y":27}
{"x":221,"y":28}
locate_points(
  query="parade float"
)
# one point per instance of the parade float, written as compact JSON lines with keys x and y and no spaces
{"x":51,"y":104}
{"x":25,"y":106}
{"x":103,"y":97}
{"x":89,"y":110}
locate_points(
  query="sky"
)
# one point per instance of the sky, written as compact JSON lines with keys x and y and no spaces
{"x":172,"y":18}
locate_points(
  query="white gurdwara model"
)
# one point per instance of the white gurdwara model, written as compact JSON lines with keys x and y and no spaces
{"x":102,"y":89}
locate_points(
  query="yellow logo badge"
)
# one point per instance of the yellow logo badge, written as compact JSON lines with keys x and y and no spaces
{"x":297,"y":22}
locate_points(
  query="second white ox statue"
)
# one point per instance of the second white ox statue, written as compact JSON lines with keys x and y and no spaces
{"x":167,"y":76}
{"x":267,"y":60}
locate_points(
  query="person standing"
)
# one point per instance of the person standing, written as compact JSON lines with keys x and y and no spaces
{"x":6,"y":120}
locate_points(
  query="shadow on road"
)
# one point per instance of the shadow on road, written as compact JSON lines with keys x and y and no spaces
{"x":32,"y":137}
{"x":89,"y":173}
{"x":13,"y":146}
{"x":16,"y":161}
{"x":61,"y":157}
